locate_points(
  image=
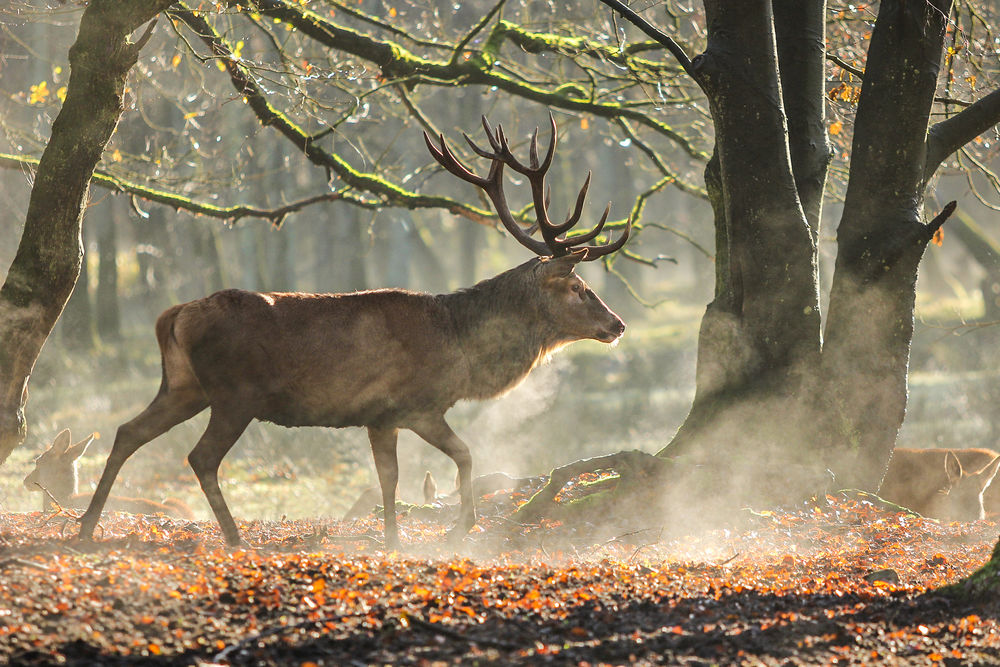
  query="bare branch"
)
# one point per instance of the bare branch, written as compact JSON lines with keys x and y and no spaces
{"x":653,"y":32}
{"x":476,"y":30}
{"x":230,"y":214}
{"x":949,"y":135}
{"x":246,"y":86}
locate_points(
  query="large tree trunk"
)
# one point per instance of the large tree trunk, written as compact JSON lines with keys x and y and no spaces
{"x":47,"y":263}
{"x":765,"y":386}
{"x":760,"y":336}
{"x":771,"y":393}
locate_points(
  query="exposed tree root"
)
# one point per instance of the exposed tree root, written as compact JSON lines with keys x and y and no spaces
{"x":628,"y":464}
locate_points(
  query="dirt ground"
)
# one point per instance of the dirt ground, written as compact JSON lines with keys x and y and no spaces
{"x":836,"y":582}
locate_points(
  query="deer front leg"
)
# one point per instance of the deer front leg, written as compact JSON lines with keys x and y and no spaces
{"x":435,"y":430}
{"x":168,"y":409}
{"x":383,"y":441}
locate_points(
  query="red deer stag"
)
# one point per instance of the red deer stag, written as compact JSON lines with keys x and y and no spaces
{"x":55,"y":474}
{"x":384,"y":359}
{"x":944,"y":484}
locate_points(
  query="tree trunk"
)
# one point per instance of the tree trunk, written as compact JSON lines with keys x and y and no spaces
{"x":45,"y":268}
{"x":881,"y":240}
{"x":761,"y":332}
{"x":77,"y":322}
{"x":766,"y":390}
{"x":109,"y":319}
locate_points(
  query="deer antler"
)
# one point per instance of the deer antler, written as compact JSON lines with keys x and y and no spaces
{"x":492,"y":184}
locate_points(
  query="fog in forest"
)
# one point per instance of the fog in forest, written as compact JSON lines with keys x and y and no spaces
{"x":101,"y":366}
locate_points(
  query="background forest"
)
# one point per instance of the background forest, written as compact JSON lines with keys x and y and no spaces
{"x":189,"y":139}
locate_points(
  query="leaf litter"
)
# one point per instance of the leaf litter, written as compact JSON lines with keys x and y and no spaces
{"x":840,"y":581}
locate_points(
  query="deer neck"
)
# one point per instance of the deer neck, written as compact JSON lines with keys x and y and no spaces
{"x":500,"y":336}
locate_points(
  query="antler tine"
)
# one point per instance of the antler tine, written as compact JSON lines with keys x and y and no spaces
{"x":490,"y":135}
{"x":479,"y":151}
{"x":447,"y":159}
{"x":533,"y":150}
{"x":596,"y":252}
{"x":587,"y":236}
{"x":547,"y":162}
{"x":573,"y":216}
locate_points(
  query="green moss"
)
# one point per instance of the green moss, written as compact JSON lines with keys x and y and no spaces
{"x":981,"y":585}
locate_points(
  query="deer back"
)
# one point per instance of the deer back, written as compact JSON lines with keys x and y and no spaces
{"x":316,"y":359}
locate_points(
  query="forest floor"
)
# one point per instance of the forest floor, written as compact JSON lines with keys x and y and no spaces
{"x":839,"y":581}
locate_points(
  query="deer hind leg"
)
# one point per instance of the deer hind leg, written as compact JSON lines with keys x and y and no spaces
{"x":435,"y":430}
{"x":224,"y":429}
{"x":168,"y":409}
{"x":383,"y":441}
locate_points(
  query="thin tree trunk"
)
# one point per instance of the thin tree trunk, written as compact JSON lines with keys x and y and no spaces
{"x":45,"y":268}
{"x":109,"y":320}
{"x":77,"y":321}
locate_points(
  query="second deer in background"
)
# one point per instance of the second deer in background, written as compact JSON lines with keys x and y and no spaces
{"x":946,"y":484}
{"x":56,"y":475}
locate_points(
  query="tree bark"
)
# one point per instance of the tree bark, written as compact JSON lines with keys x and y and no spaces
{"x":45,"y":268}
{"x":762,"y":329}
{"x":881,"y":240}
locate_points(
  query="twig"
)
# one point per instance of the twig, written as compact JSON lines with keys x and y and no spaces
{"x":476,"y":29}
{"x":652,"y":31}
{"x":8,"y":562}
{"x":730,"y":559}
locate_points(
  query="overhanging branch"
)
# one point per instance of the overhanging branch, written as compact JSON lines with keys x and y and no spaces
{"x":390,"y":193}
{"x":179,"y":202}
{"x":949,"y":135}
{"x":398,"y":63}
{"x":653,"y":32}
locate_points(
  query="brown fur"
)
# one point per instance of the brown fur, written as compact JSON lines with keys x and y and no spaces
{"x":383,"y":359}
{"x":56,"y":472}
{"x":947,"y":484}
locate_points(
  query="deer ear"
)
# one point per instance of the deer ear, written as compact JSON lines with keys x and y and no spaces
{"x":562,"y":266}
{"x":77,"y":450}
{"x":952,"y":468}
{"x":61,"y":442}
{"x":989,"y":473}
